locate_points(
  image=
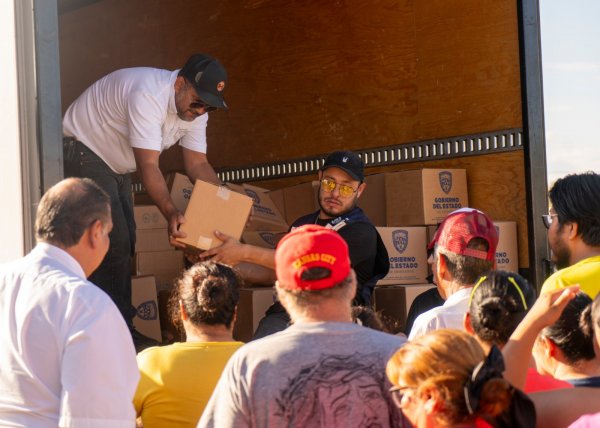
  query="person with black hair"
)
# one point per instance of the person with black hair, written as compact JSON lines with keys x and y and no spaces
{"x":121,"y":124}
{"x":499,"y":301}
{"x":573,"y":224}
{"x":565,"y":349}
{"x":177,"y":380}
{"x":342,"y":182}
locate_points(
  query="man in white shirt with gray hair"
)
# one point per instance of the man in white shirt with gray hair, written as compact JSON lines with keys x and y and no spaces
{"x":67,"y":358}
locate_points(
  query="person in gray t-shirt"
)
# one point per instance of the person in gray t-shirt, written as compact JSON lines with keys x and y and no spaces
{"x":324,"y":370}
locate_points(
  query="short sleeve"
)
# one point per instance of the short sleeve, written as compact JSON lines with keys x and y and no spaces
{"x":145,"y":117}
{"x":195,"y":138}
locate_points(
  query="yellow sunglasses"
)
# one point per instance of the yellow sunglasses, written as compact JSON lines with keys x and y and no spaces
{"x":329,"y":186}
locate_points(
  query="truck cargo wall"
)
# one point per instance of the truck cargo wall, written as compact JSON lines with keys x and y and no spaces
{"x":308,"y":77}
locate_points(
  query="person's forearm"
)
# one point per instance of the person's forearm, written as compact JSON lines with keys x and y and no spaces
{"x":260,"y":256}
{"x":254,"y":274}
{"x":203,"y":171}
{"x":517,"y":353}
{"x":156,"y":187}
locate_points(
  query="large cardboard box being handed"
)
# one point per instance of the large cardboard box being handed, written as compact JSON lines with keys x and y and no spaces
{"x":213,"y":208}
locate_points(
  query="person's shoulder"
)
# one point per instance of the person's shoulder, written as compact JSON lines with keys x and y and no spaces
{"x":427,"y":321}
{"x":570,"y":275}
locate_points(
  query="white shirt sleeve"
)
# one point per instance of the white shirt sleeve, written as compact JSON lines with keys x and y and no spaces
{"x":99,"y":373}
{"x":145,"y":118}
{"x":195,"y":138}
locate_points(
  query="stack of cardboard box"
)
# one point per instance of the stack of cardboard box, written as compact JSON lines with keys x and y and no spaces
{"x":411,"y":204}
{"x":155,"y":266}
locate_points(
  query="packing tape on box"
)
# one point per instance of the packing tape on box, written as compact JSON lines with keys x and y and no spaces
{"x":204,"y":242}
{"x":223,"y":193}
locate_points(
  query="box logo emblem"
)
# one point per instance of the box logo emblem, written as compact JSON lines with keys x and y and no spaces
{"x":268,"y":237}
{"x":400,"y":239}
{"x":253,"y":195}
{"x":446,"y":181}
{"x":147,"y":310}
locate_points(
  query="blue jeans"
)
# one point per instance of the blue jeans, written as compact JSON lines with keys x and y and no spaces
{"x":114,"y":273}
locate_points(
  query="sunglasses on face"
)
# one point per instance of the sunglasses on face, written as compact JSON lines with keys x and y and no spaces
{"x":548,"y":219}
{"x":200,"y":105}
{"x":329,"y":186}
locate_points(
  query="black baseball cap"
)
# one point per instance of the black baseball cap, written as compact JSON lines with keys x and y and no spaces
{"x":347,"y":161}
{"x":208,"y":77}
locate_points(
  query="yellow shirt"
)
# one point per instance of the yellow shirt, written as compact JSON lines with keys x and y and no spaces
{"x":586,"y":273}
{"x":177,"y":381}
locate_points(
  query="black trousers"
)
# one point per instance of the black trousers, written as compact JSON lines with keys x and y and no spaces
{"x":114,"y":273}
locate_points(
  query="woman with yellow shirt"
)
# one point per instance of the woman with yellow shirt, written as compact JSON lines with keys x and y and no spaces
{"x":177,"y":380}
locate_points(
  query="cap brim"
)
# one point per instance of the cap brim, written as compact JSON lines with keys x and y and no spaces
{"x":211,"y":99}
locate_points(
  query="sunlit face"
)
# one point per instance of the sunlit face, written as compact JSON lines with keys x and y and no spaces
{"x":188,"y":103}
{"x":412,"y":407}
{"x":104,"y":243}
{"x":332,"y":203}
{"x":557,"y":239}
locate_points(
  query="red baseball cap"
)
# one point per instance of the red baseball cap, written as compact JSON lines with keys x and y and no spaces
{"x":460,"y":226}
{"x":308,"y":247}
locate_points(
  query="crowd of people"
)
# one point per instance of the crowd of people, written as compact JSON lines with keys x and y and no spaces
{"x":484,"y":351}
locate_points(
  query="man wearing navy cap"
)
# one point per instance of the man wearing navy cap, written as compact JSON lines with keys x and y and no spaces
{"x":341,"y":183}
{"x":121,"y":124}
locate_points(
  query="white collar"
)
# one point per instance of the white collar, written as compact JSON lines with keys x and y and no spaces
{"x":43,"y":249}
{"x":458,"y":296}
{"x":172,"y":108}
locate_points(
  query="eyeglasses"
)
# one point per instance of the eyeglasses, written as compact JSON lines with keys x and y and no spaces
{"x":547,"y":219}
{"x":204,"y":106}
{"x":397,"y":393}
{"x":345,"y":191}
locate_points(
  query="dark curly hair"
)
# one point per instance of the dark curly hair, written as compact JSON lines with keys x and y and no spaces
{"x":573,"y":333}
{"x":209,"y":293}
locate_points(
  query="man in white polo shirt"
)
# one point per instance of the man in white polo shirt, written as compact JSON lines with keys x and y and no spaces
{"x":121,"y":124}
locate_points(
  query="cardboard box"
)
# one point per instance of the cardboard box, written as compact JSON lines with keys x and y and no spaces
{"x":180,"y":189}
{"x":166,"y":266}
{"x":145,"y":301}
{"x":152,"y":240}
{"x":264,"y":215}
{"x":411,"y":291}
{"x":507,"y":252}
{"x":214,"y":208}
{"x":253,"y":304}
{"x":279,"y":201}
{"x":372,"y":200}
{"x":149,"y":217}
{"x":407,"y":251}
{"x":300,"y":200}
{"x":425,"y":196}
{"x":262,"y":238}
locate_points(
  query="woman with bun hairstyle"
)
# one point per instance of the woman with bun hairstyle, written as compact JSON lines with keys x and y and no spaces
{"x":444,"y":379}
{"x":499,"y":301}
{"x":565,"y":349}
{"x":177,"y":380}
